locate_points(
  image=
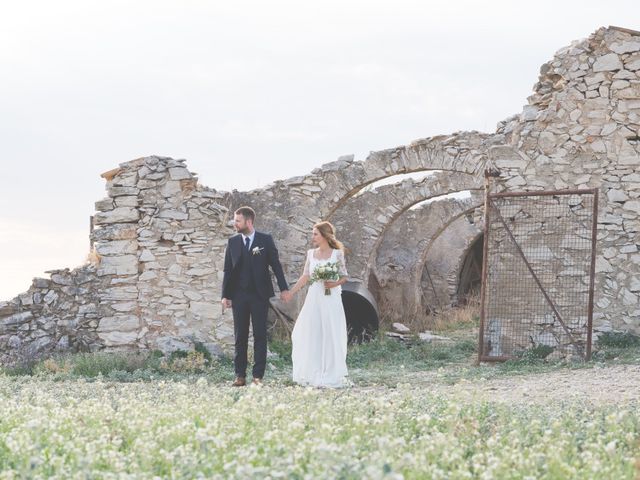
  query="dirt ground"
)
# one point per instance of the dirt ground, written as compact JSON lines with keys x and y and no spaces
{"x":611,"y":384}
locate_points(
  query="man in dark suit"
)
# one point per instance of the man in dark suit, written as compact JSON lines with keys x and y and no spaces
{"x":247,"y":287}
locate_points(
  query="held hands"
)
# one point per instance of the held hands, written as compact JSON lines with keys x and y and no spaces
{"x":286,"y":296}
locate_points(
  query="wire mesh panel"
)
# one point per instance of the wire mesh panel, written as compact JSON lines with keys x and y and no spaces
{"x":538,"y":270}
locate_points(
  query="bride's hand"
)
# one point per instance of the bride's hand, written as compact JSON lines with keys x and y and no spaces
{"x":330,"y":284}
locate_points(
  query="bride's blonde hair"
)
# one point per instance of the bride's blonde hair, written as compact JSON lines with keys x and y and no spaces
{"x":328,"y":232}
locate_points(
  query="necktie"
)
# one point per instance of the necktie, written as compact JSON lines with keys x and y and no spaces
{"x":247,"y":241}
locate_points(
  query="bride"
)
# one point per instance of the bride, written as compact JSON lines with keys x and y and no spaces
{"x":319,"y":337}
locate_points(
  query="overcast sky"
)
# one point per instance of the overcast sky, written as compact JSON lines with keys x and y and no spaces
{"x":247,"y":92}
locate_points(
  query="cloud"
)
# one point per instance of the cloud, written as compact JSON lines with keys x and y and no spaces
{"x":248,"y":92}
{"x":29,"y":249}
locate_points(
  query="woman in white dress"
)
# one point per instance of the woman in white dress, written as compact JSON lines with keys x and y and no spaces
{"x":319,"y":337}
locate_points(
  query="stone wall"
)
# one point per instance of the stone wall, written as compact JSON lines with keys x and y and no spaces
{"x":159,"y":242}
{"x":581,"y":129}
{"x":364,"y":216}
{"x":161,"y":235}
{"x":162,"y":238}
{"x":56,"y":314}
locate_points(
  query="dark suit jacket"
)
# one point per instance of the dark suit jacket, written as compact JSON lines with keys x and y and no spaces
{"x":260,"y":263}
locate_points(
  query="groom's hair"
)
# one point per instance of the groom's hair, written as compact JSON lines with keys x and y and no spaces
{"x":247,"y":213}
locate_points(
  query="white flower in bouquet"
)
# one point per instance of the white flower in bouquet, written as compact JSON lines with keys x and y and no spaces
{"x":328,"y":271}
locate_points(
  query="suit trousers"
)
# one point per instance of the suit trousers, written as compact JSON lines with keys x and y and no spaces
{"x":247,"y":307}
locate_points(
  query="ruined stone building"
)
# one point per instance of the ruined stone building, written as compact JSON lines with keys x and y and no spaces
{"x":413,"y":246}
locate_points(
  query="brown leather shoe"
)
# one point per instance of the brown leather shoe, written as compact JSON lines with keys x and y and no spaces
{"x":239,"y":382}
{"x":257,"y":381}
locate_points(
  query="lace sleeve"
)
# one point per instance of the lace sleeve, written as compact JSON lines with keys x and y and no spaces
{"x":306,"y":270}
{"x":342,"y":266}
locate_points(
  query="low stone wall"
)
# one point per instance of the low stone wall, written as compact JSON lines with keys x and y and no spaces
{"x":159,"y":243}
{"x":56,"y":314}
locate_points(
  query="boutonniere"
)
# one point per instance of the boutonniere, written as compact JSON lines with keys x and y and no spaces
{"x":257,"y":250}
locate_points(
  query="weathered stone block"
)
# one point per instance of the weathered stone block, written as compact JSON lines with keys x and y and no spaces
{"x":41,"y":282}
{"x":118,"y":265}
{"x":148,"y":275}
{"x":61,"y":279}
{"x":117,"y":247}
{"x":607,"y":63}
{"x":121,"y":323}
{"x":170,"y":188}
{"x":50,"y":297}
{"x":632,"y":205}
{"x":15,"y":320}
{"x":204,"y":310}
{"x":625,"y":47}
{"x":114,"y":232}
{"x":126,"y":201}
{"x":119,"y":293}
{"x":120,"y":191}
{"x":104,"y":205}
{"x":147,"y":256}
{"x":632,"y":63}
{"x":117,"y":339}
{"x":125,"y":180}
{"x":117,"y":215}
{"x":179,"y":173}
{"x":173,"y":214}
{"x":198,"y":272}
{"x":169,"y":344}
{"x":87,"y":309}
{"x":124,"y":307}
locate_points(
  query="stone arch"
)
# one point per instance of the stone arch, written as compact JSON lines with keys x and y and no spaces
{"x":289,"y":208}
{"x":381,"y":207}
{"x":469,"y":271}
{"x":440,"y":277}
{"x":362,"y":240}
{"x":402,"y":247}
{"x":418,"y":270}
{"x":461,"y":152}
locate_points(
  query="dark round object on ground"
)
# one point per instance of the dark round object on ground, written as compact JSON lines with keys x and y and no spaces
{"x":361,"y":311}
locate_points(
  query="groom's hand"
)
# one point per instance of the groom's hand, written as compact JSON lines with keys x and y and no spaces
{"x":285,"y":296}
{"x":226,"y":303}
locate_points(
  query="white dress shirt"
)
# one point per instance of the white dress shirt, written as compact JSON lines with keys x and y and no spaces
{"x":244,"y":239}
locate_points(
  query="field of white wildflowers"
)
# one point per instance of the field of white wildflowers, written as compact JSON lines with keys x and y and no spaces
{"x":199,"y":428}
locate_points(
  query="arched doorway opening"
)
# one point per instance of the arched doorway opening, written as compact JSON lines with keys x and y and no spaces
{"x":361,"y":311}
{"x":470,"y":276}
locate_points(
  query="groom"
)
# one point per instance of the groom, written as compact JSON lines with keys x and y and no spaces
{"x":247,"y":287}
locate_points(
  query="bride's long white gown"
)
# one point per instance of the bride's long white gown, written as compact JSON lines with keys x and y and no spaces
{"x":319,"y":338}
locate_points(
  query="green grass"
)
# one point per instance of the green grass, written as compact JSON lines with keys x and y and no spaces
{"x":382,"y":361}
{"x":127,"y":366}
{"x":618,"y":340}
{"x":416,"y":355}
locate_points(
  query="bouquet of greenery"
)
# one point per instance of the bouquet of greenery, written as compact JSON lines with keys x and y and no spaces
{"x":326,"y":271}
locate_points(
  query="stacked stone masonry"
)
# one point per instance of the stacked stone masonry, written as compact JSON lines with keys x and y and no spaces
{"x":160,"y":235}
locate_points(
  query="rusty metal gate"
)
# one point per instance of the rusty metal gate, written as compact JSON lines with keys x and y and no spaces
{"x":538,"y":274}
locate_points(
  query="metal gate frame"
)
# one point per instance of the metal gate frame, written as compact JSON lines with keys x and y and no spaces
{"x":485,"y":258}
